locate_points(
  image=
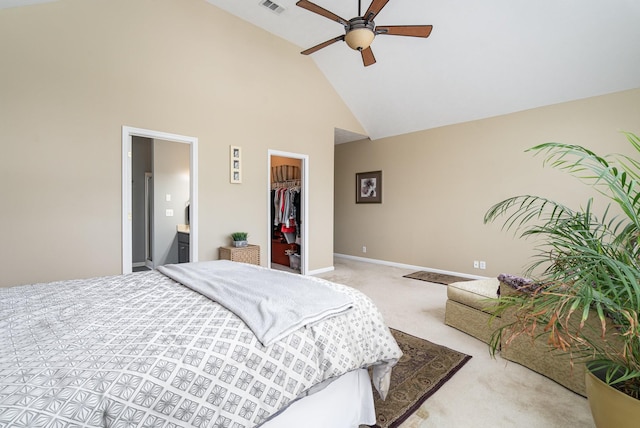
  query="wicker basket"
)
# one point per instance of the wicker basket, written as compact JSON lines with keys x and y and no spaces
{"x":249,"y":254}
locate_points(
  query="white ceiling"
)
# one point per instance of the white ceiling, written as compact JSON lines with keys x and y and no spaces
{"x":483,"y":58}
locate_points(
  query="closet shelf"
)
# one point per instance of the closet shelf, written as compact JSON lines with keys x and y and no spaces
{"x":286,"y":183}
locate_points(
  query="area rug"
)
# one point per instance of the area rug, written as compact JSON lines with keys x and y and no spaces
{"x":421,"y":371}
{"x":439,"y":278}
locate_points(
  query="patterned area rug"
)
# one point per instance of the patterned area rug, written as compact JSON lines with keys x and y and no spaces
{"x":421,"y":371}
{"x":439,"y":278}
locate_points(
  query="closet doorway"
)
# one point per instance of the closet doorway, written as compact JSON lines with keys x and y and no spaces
{"x":288,"y":208}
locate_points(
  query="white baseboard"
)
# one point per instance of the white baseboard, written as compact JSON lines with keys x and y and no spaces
{"x":406,"y":266}
{"x":322,"y":270}
{"x":138,"y":264}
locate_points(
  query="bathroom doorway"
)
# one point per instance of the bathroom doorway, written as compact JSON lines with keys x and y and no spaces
{"x":128,"y":133}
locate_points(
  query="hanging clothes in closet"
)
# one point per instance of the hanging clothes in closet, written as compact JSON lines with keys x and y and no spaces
{"x":286,"y":216}
{"x":286,"y":210}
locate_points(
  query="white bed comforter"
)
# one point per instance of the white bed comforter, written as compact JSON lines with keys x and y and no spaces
{"x":141,"y":350}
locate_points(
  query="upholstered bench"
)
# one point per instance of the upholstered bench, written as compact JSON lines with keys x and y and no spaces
{"x":536,"y":354}
{"x":467,"y":308}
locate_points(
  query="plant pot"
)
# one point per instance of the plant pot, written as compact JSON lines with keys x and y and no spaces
{"x":610,"y":407}
{"x":240,"y":243}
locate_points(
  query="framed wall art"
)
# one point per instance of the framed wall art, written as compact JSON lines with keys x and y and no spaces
{"x":235,"y":164}
{"x":369,"y":187}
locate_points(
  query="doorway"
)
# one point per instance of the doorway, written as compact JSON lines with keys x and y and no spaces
{"x":127,"y":234}
{"x":287,"y":247}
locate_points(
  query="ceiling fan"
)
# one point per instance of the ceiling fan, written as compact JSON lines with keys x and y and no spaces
{"x":361,"y":30}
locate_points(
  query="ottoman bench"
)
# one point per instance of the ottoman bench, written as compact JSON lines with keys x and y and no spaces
{"x":467,"y":308}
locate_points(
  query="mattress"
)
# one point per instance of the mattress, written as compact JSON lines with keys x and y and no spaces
{"x":345,"y":403}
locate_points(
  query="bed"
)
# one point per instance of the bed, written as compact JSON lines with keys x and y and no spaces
{"x":162,"y":349}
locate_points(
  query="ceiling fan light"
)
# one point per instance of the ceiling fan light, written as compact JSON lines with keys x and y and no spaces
{"x":359,"y":38}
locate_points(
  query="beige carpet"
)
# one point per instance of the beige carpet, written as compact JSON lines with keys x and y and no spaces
{"x":438,"y":278}
{"x":422,"y":370}
{"x":486,"y":392}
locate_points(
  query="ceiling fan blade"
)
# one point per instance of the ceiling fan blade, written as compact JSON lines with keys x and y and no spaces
{"x":374,"y":8}
{"x":367,"y":57}
{"x":322,"y":45}
{"x":305,"y":4}
{"x":405,"y":30}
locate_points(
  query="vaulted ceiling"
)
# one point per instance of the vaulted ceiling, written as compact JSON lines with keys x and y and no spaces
{"x":482,"y":59}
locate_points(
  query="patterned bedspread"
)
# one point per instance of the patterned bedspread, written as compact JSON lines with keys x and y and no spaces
{"x":141,"y":350}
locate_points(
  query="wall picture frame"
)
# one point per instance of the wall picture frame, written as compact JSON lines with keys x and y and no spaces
{"x":235,"y":164}
{"x":369,"y":187}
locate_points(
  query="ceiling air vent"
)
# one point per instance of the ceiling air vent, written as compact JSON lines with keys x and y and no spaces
{"x":273,"y":7}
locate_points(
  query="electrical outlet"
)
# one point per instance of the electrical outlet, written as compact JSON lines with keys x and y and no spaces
{"x":476,"y":264}
{"x":483,"y":264}
{"x":364,"y":248}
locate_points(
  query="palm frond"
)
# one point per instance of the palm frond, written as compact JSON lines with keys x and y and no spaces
{"x":617,"y":179}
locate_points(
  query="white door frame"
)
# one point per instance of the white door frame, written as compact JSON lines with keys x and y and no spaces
{"x":304,"y":235}
{"x":127,"y":133}
{"x":148,"y":260}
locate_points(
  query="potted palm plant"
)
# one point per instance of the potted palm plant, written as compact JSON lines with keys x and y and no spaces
{"x":587,"y":263}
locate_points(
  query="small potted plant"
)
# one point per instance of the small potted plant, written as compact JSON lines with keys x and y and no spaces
{"x":239,"y":239}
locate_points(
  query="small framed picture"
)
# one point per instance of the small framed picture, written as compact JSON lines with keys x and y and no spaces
{"x":235,"y":164}
{"x":369,"y":187}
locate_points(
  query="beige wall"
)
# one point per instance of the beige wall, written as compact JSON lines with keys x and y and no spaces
{"x":74,"y":72}
{"x":439,"y":183}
